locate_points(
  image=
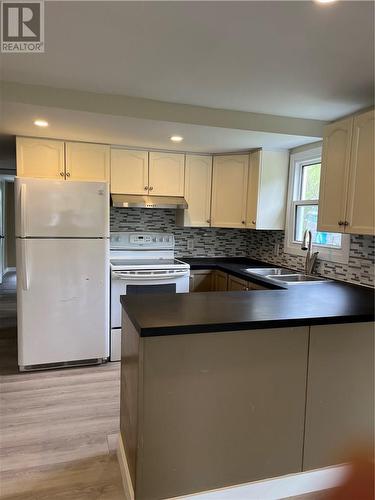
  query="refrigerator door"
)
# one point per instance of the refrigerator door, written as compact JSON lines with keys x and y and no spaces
{"x":47,"y":208}
{"x":62,"y":300}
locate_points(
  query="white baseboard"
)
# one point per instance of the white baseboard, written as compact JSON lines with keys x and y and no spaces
{"x":278,"y":487}
{"x":124,"y":469}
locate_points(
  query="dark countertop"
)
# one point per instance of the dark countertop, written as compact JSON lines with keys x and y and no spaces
{"x":311,"y":304}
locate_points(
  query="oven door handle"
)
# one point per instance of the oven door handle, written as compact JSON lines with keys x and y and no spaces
{"x":150,"y":277}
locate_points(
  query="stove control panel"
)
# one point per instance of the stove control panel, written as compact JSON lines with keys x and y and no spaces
{"x":125,"y":240}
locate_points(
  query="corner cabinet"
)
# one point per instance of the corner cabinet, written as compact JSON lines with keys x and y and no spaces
{"x":267,"y":189}
{"x":166,"y":174}
{"x":229,"y":191}
{"x":129,"y":171}
{"x":40,"y":158}
{"x":87,"y":161}
{"x":198,"y":175}
{"x":346,"y":202}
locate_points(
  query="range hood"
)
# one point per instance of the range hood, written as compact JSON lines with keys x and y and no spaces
{"x":144,"y":201}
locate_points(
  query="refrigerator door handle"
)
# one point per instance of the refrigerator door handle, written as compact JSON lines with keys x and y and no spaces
{"x":24,"y":269}
{"x":23,"y":210}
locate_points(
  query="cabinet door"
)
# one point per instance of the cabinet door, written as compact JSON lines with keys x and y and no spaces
{"x":129,"y":171}
{"x":253,"y":189}
{"x":87,"y":162}
{"x":236,"y":284}
{"x":42,"y":158}
{"x":198,"y":173}
{"x":229,"y":189}
{"x":221,"y":281}
{"x":360,"y":207}
{"x":166,"y":174}
{"x":340,"y":393}
{"x":201,"y":281}
{"x":255,"y":286}
{"x":334,"y":176}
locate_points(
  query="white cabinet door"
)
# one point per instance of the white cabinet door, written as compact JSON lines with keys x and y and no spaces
{"x":166,"y":174}
{"x":43,"y":158}
{"x":334,"y":177}
{"x":198,"y":173}
{"x":87,"y":162}
{"x":229,"y":190}
{"x":129,"y":171}
{"x":253,"y":189}
{"x":360,"y":208}
{"x":267,"y":189}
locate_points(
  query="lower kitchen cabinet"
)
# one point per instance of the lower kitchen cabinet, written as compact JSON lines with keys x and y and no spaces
{"x":220,"y":281}
{"x":201,"y":280}
{"x":236,"y":284}
{"x":340,"y":393}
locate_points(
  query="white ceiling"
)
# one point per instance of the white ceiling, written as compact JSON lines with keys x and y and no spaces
{"x":295,"y":58}
{"x":127,"y":131}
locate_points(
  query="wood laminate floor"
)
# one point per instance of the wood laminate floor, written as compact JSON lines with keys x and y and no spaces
{"x":58,"y":430}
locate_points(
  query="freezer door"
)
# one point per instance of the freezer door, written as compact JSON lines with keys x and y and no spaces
{"x":59,"y":209}
{"x":62,"y":300}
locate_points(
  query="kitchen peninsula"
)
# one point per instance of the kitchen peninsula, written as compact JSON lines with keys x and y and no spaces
{"x":222,"y":388}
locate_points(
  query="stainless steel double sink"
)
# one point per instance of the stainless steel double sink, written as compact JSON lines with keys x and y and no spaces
{"x":286,"y":275}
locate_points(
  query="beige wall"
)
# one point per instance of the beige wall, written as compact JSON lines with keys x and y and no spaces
{"x":9,"y":229}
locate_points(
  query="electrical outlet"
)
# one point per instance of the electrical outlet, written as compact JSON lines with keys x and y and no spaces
{"x":276,"y":249}
{"x":190,"y":244}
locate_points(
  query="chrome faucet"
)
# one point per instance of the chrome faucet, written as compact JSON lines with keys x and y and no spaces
{"x":310,"y":258}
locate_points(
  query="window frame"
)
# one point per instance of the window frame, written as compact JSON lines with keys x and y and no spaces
{"x":328,"y":253}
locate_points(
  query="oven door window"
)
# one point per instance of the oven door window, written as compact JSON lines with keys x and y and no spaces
{"x":139,"y":289}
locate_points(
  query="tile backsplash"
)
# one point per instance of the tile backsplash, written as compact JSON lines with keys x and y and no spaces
{"x":220,"y":242}
{"x":207,"y":242}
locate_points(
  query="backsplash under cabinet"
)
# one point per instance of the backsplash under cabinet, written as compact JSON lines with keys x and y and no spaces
{"x":221,"y":242}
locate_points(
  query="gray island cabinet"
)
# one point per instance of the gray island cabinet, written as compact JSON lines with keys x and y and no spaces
{"x":207,"y":410}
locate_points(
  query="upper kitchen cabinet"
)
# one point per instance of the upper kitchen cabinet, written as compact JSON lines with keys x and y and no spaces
{"x":129,"y":171}
{"x":229,"y":189}
{"x":267,"y":189}
{"x":166,"y":174}
{"x":347,"y":182}
{"x":42,"y":158}
{"x":198,"y":174}
{"x":360,"y":205}
{"x":334,"y":175}
{"x":87,"y":162}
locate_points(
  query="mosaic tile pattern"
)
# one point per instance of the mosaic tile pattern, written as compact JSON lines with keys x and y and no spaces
{"x":360,"y":268}
{"x":219,"y":242}
{"x":208,"y":242}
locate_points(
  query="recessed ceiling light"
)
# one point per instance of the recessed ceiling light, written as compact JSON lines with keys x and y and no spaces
{"x":41,"y":123}
{"x":176,"y":138}
{"x":325,"y":1}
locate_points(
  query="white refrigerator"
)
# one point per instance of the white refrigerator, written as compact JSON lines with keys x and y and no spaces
{"x":62,"y":243}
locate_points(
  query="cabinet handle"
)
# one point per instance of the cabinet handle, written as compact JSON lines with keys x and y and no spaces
{"x":346,"y":223}
{"x":146,"y":188}
{"x":253,"y":222}
{"x":340,"y":223}
{"x":208,"y":221}
{"x":68,"y":174}
{"x":151,"y":188}
{"x":62,"y":174}
{"x":242,"y":222}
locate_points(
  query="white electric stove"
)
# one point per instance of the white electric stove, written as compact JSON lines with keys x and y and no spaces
{"x":142,"y":263}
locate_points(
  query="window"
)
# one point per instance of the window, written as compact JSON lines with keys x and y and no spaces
{"x":303,"y":207}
